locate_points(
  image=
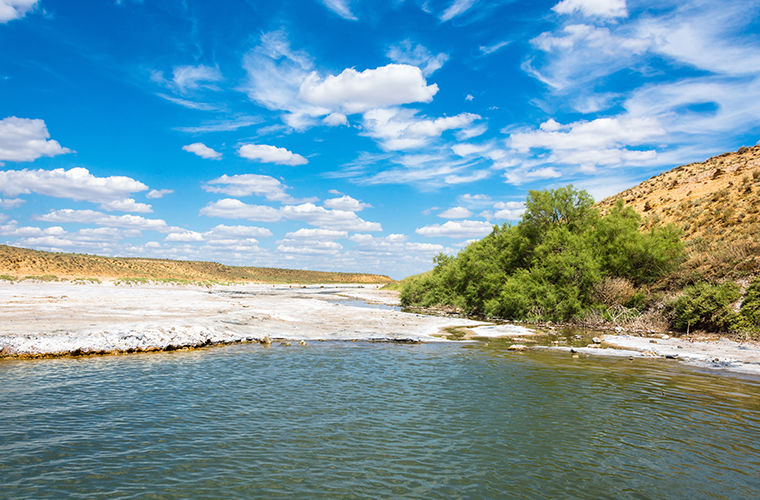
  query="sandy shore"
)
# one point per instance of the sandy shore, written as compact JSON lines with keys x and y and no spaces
{"x":61,"y":318}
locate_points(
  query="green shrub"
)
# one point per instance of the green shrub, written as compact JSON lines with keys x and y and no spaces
{"x":706,"y":306}
{"x":550,"y":265}
{"x":749,"y":314}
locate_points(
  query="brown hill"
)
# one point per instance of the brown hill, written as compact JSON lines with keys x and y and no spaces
{"x":716,"y":203}
{"x":21,"y":262}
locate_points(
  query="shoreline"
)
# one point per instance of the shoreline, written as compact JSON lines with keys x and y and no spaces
{"x":51,"y":320}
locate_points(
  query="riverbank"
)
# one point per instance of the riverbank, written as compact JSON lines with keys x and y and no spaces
{"x":56,"y":319}
{"x":43,"y":319}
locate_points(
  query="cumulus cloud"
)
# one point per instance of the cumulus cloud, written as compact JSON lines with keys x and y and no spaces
{"x":600,"y":8}
{"x":455,"y":213}
{"x":127,"y":221}
{"x":126,"y":205}
{"x":221,"y":235}
{"x":9,"y":203}
{"x":588,"y":144}
{"x":398,"y":129}
{"x":347,"y":203}
{"x":505,"y":210}
{"x":309,"y":248}
{"x":315,"y":234}
{"x":335,"y":119}
{"x":230,"y":208}
{"x":25,"y":139}
{"x":76,"y":184}
{"x":271,"y":154}
{"x":200,"y":149}
{"x":393,"y":246}
{"x":354,"y":92}
{"x":341,"y":220}
{"x":158,"y":193}
{"x":15,"y":9}
{"x":247,"y":185}
{"x":407,"y":52}
{"x":456,"y":229}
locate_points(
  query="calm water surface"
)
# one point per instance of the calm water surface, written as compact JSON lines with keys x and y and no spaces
{"x":374,"y":420}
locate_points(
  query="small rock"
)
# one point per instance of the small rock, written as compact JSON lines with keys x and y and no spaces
{"x":303,"y":342}
{"x":652,"y":341}
{"x":578,"y":337}
{"x":266,"y":340}
{"x":517,"y":347}
{"x":285,"y":344}
{"x":596,"y":340}
{"x":572,"y":351}
{"x":618,"y":329}
{"x":664,"y":336}
{"x":671,"y":356}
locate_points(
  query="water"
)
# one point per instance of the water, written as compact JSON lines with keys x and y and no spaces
{"x":374,"y":420}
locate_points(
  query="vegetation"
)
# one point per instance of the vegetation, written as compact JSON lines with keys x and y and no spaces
{"x":568,"y":261}
{"x":560,"y":261}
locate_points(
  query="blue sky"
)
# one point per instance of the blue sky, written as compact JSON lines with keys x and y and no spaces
{"x":348,"y":135}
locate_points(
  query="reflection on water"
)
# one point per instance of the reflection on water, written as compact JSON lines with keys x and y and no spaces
{"x":369,"y":420}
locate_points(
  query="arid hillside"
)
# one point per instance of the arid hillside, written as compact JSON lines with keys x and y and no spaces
{"x":21,"y":262}
{"x":716,"y":203}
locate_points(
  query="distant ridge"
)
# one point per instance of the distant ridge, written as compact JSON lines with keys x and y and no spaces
{"x":21,"y":262}
{"x":717,"y":205}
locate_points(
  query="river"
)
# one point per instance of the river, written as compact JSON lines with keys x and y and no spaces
{"x":361,"y":419}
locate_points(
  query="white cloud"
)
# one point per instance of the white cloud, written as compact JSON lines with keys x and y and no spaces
{"x":418,"y":55}
{"x":398,"y":129}
{"x":15,"y":9}
{"x":76,"y":184}
{"x":126,"y":205}
{"x":346,"y":203}
{"x":341,"y":220}
{"x":247,"y":185}
{"x":25,"y":139}
{"x":354,"y":92}
{"x":310,"y":248}
{"x":191,"y":77}
{"x":230,"y":208}
{"x":188,"y":103}
{"x":335,"y":119}
{"x":185,"y":236}
{"x":506,"y":210}
{"x":455,"y":213}
{"x":275,"y":73}
{"x":393,"y":245}
{"x":315,"y":234}
{"x":200,"y":149}
{"x":271,"y":154}
{"x":469,"y":149}
{"x":589,"y":144}
{"x":490,"y":49}
{"x":600,"y":8}
{"x":9,"y":203}
{"x":457,"y":8}
{"x":473,"y":176}
{"x":222,"y":235}
{"x":341,"y":8}
{"x":128,"y":221}
{"x":457,"y":229}
{"x":475,"y":200}
{"x":158,"y":193}
{"x":523,"y":175}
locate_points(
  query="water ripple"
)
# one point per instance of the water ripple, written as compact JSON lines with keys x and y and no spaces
{"x":371,"y":420}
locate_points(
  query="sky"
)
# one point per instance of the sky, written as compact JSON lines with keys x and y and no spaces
{"x":349,"y":135}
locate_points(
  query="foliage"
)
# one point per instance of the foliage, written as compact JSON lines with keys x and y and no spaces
{"x":749,"y":314}
{"x":706,"y":306}
{"x":550,"y":265}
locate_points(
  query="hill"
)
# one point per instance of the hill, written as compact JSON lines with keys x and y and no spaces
{"x":22,"y":262}
{"x":717,"y":205}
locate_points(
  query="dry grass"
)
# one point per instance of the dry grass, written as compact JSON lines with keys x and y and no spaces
{"x":716,"y":203}
{"x":20,"y":263}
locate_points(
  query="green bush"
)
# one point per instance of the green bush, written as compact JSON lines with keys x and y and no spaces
{"x":706,"y":306}
{"x":549,"y":266}
{"x":749,"y":314}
